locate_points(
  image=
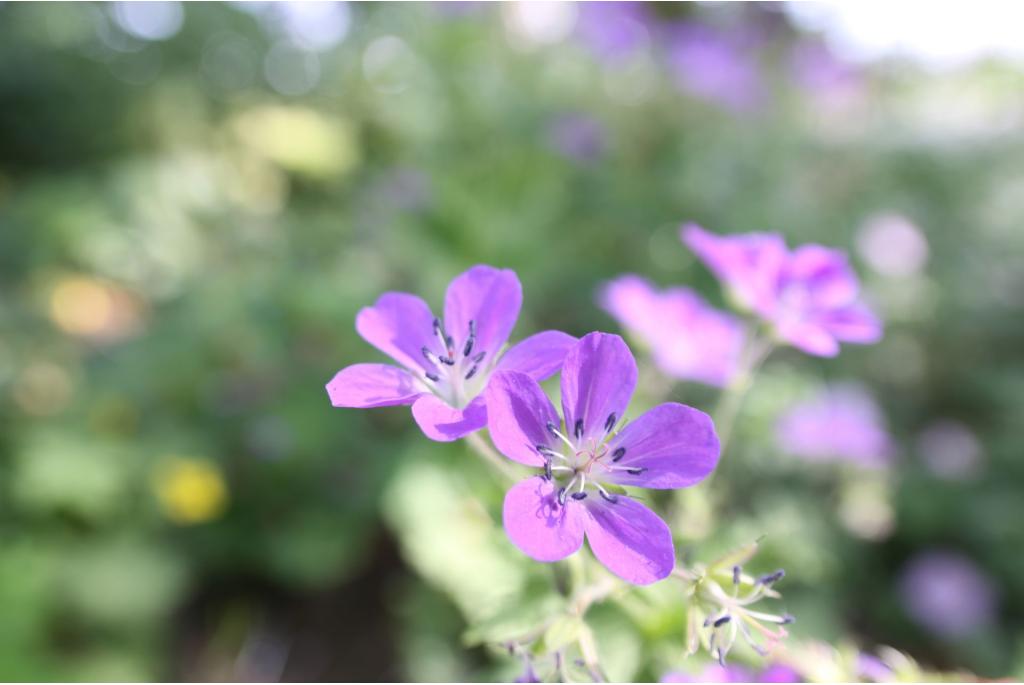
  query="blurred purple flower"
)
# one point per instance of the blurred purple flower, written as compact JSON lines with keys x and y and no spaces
{"x":809,"y":295}
{"x":731,"y":673}
{"x":547,"y":516}
{"x":946,"y":593}
{"x":842,"y":423}
{"x":715,"y":66}
{"x":688,"y":338}
{"x":818,"y":71}
{"x":871,"y":668}
{"x":613,"y":30}
{"x":950,"y":450}
{"x":577,"y":137}
{"x":445,"y":366}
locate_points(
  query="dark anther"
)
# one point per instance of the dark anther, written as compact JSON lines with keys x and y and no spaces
{"x":578,"y":429}
{"x":437,"y":327}
{"x":552,"y":428}
{"x":735,"y":575}
{"x":433,"y":377}
{"x":619,"y":453}
{"x":472,"y":372}
{"x":428,"y":355}
{"x":447,"y":360}
{"x":547,"y":469}
{"x":579,"y":495}
{"x":771,"y":577}
{"x":470,"y":340}
{"x":722,"y":621}
{"x":449,"y":342}
{"x":479,"y":357}
{"x":787,"y":619}
{"x":721,"y":657}
{"x":635,"y":470}
{"x":611,"y":498}
{"x":561,"y":496}
{"x":609,"y":423}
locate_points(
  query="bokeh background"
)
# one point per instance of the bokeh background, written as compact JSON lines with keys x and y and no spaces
{"x":195,"y":200}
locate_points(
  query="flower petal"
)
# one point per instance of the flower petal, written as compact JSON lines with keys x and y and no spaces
{"x":491,"y":299}
{"x":825,"y":273}
{"x":373,"y":385}
{"x":676,"y":446}
{"x":518,"y":412}
{"x":598,"y":378}
{"x":539,"y":356}
{"x":630,"y":539}
{"x":808,"y":337}
{"x":443,"y":422}
{"x":854,"y":324}
{"x":400,"y":325}
{"x":749,"y":264}
{"x":538,"y":525}
{"x":633,"y":302}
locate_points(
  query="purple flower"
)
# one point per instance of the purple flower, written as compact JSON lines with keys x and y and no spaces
{"x":547,"y":516}
{"x":613,"y":30}
{"x":947,"y":593}
{"x":688,"y":338}
{"x":950,"y":450}
{"x":715,"y":66}
{"x":445,"y":366}
{"x":809,"y":295}
{"x":577,"y":137}
{"x":731,"y":673}
{"x":839,"y":424}
{"x":873,"y":669}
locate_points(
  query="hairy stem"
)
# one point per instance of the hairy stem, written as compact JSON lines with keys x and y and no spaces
{"x":501,"y":465}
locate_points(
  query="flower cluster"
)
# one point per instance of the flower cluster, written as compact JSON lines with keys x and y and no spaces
{"x":587,"y":459}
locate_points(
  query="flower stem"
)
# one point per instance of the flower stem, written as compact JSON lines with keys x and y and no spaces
{"x":731,"y":400}
{"x":495,"y":460}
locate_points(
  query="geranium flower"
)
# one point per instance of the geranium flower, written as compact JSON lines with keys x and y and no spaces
{"x":716,"y":673}
{"x":808,"y":295}
{"x":445,"y":365}
{"x":688,"y":338}
{"x":578,"y":494}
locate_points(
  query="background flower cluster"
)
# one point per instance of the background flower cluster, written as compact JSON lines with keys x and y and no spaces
{"x":196,"y":201}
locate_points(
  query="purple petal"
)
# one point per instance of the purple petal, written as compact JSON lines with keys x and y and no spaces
{"x":809,"y":337}
{"x":444,"y":423}
{"x":518,"y":412}
{"x":854,"y":324}
{"x":749,"y":265}
{"x":676,"y":446}
{"x":539,"y":356}
{"x":779,"y":673}
{"x":598,"y":378}
{"x":373,"y":385}
{"x":629,"y":539}
{"x":488,"y":297}
{"x":538,"y":525}
{"x":400,"y":325}
{"x":634,"y":303}
{"x":826,"y":275}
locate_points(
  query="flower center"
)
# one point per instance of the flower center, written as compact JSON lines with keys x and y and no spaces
{"x":457,"y":373}
{"x":581,"y":465}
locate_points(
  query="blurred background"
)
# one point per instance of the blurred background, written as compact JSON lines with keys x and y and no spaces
{"x":195,"y":200}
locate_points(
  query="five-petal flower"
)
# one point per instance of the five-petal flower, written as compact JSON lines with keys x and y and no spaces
{"x":547,"y":516}
{"x":445,"y":365}
{"x":809,"y":295}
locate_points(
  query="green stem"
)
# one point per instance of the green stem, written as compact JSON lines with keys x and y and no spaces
{"x":493,"y":459}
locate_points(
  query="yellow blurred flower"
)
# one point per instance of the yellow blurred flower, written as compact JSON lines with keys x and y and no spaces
{"x":299,"y":139}
{"x":90,"y":308}
{"x":190,"y":490}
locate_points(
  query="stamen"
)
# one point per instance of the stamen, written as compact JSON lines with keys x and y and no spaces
{"x":787,"y":619}
{"x":470,"y":340}
{"x":579,"y":495}
{"x":432,"y":377}
{"x":472,"y":372}
{"x":722,"y":621}
{"x":547,"y":469}
{"x":772,"y":577}
{"x":609,"y":423}
{"x":553,"y":429}
{"x":561,"y":496}
{"x":449,"y":344}
{"x":635,"y":470}
{"x":438,"y":331}
{"x":619,"y":453}
{"x":430,"y":356}
{"x":578,"y":429}
{"x":479,"y":357}
{"x":447,"y":360}
{"x":607,"y":496}
{"x":736,"y":575}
